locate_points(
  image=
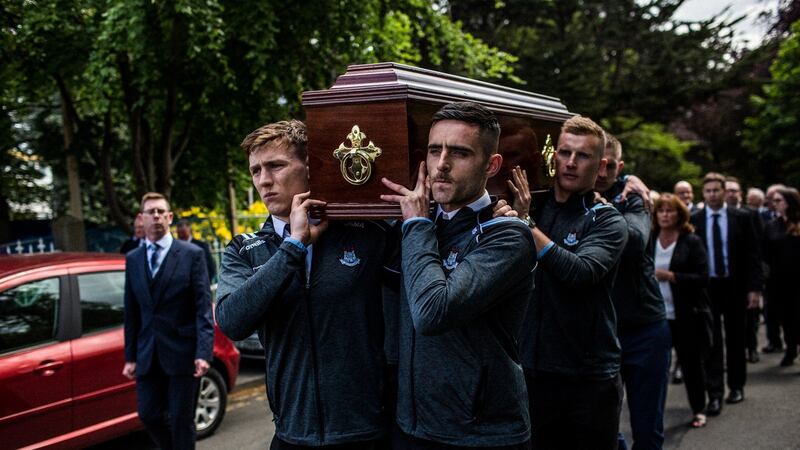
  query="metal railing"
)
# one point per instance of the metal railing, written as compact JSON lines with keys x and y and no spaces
{"x":40,"y":245}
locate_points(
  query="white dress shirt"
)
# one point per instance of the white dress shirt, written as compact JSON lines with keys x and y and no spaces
{"x":477,"y":205}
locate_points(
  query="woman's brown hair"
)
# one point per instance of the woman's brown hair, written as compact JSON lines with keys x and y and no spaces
{"x":792,"y":199}
{"x":673,"y":201}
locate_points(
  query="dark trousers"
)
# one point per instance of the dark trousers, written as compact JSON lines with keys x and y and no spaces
{"x":402,"y":441}
{"x":575,"y":414}
{"x":166,"y":405}
{"x":772,"y":317}
{"x":789,"y":302}
{"x":278,"y":444}
{"x":752,"y":321}
{"x":645,"y":371}
{"x":728,"y":306}
{"x":692,"y":356}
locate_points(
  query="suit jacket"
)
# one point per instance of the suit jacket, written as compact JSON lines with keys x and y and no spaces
{"x":744,"y":248}
{"x":212,"y":268}
{"x":689,"y":263}
{"x":168,"y":316}
{"x":130,"y":244}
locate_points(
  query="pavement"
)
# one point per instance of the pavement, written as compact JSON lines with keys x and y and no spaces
{"x":769,"y":418}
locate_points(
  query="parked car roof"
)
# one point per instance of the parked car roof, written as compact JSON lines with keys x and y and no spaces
{"x":10,"y":264}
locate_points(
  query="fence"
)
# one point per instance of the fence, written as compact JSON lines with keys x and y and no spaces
{"x":40,"y":245}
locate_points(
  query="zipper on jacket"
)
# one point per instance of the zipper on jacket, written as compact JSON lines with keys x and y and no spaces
{"x":411,"y":383}
{"x":313,"y":339}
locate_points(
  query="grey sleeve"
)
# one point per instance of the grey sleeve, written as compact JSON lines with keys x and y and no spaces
{"x":438,"y":302}
{"x":246,"y":294}
{"x":596,"y":255}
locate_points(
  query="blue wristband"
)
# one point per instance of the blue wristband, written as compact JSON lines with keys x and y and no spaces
{"x":545,"y":249}
{"x":295,"y":242}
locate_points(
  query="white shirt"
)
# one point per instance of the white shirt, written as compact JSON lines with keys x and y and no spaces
{"x":165,"y":243}
{"x":280,"y":226}
{"x":662,"y":260}
{"x":723,"y":225}
{"x":477,"y":205}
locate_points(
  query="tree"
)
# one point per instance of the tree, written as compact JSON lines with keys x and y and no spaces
{"x":773,"y":133}
{"x":156,"y":95}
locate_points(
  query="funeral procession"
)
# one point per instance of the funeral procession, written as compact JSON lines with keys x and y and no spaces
{"x":400,"y":225}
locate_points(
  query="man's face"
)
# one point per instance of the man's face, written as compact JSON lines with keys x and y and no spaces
{"x":754,"y":200}
{"x":770,"y":203}
{"x":606,"y":178}
{"x":684,"y":192}
{"x":577,"y":165}
{"x":733,"y":193}
{"x":278,"y":176}
{"x":156,"y":218}
{"x":138,"y":226}
{"x":713,"y":194}
{"x":184,"y":232}
{"x":457,"y":166}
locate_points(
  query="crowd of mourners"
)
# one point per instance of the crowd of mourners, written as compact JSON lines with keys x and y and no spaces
{"x":512,"y":324}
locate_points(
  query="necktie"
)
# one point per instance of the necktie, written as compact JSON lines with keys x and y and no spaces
{"x":441,"y":222}
{"x":719,"y":260}
{"x":155,"y":249}
{"x":287,"y":231}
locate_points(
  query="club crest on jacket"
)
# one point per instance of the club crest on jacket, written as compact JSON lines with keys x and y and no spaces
{"x":451,"y":262}
{"x":349,"y":258}
{"x":572,"y":238}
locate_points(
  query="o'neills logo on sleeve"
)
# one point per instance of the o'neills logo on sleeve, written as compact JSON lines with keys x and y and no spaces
{"x":349,"y":258}
{"x":572,"y":238}
{"x":451,"y":262}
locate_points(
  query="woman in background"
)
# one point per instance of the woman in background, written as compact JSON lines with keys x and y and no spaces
{"x":781,"y":249}
{"x":682,"y":272}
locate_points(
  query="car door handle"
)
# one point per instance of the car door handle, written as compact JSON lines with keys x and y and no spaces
{"x":48,"y":367}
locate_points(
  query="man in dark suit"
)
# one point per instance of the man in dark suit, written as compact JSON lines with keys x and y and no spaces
{"x":135,"y":241}
{"x":169,"y":333}
{"x":735,"y":285}
{"x":184,"y":230}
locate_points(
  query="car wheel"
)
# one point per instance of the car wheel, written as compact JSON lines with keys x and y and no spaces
{"x":212,"y":398}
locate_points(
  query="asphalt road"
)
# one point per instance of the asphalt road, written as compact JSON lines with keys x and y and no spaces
{"x":769,"y":418}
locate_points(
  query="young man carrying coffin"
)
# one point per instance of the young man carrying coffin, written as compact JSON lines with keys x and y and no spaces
{"x":466,"y":283}
{"x":313,"y":293}
{"x":569,"y":344}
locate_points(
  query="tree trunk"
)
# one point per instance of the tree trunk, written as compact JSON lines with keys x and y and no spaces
{"x":232,"y":221}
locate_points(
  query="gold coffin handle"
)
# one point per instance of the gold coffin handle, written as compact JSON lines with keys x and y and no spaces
{"x":355,"y":162}
{"x":548,"y":155}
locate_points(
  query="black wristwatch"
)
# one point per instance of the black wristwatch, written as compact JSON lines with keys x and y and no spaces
{"x":529,"y":221}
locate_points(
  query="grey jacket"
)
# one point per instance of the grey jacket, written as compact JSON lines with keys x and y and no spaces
{"x":322,"y":334}
{"x":571,"y":325}
{"x":465,"y":292}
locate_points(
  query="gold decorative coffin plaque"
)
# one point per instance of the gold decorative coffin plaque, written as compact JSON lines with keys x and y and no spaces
{"x":388,"y":107}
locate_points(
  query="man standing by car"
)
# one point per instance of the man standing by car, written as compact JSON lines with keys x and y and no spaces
{"x":467,"y":281}
{"x":184,"y":230}
{"x":313,"y":293}
{"x":169,"y":331}
{"x":569,"y":343}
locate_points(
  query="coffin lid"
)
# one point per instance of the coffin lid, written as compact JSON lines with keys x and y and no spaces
{"x":391,"y":81}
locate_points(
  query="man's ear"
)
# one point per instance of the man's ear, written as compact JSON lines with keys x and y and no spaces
{"x":620,"y":166}
{"x":601,"y":168}
{"x":495,"y":162}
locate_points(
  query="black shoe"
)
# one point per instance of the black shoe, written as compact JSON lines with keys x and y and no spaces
{"x":752,"y":356}
{"x":788,"y":359}
{"x":735,"y":396}
{"x":677,"y":376}
{"x":772,"y":349}
{"x":714,"y":407}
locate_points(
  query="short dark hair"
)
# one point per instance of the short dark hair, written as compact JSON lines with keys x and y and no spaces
{"x":475,"y":114}
{"x":289,"y":132}
{"x":714,"y":177}
{"x":184,"y":223}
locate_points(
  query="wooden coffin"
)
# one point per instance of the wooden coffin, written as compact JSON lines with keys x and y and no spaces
{"x":374,"y":122}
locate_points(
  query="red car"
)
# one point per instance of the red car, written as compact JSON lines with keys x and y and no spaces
{"x":61,"y":354}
